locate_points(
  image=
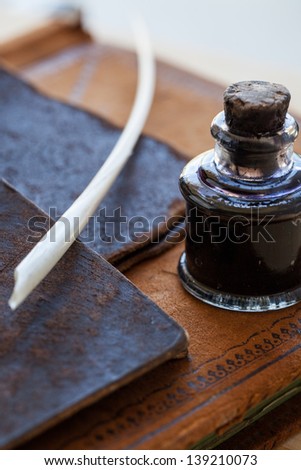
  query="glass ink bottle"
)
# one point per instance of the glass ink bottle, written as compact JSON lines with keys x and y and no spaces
{"x":243,"y":218}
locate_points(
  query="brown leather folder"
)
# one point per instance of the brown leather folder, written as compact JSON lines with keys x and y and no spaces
{"x":240,"y":365}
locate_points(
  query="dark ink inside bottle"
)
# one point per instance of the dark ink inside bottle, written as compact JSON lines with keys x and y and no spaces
{"x":243,"y":244}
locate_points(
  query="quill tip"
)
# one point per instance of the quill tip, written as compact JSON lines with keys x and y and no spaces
{"x":12,"y":303}
{"x":16,"y":298}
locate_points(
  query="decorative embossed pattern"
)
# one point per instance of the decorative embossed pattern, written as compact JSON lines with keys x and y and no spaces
{"x":281,"y":331}
{"x":127,"y":411}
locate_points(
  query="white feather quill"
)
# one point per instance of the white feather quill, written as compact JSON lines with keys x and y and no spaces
{"x":50,"y":249}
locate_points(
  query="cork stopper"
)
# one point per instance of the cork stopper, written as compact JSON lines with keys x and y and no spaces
{"x":254,"y":108}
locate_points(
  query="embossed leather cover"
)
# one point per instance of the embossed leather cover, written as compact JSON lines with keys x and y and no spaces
{"x":240,"y":365}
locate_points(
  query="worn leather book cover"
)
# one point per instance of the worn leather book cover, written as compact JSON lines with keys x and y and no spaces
{"x":83,"y":332}
{"x":50,"y":151}
{"x":240,"y":365}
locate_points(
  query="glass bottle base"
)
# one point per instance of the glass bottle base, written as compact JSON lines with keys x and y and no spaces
{"x":240,"y":303}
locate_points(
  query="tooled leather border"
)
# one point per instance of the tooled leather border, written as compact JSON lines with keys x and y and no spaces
{"x":282,"y":331}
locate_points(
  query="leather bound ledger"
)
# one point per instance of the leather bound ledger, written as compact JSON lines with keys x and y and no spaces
{"x":240,"y":366}
{"x":84,"y":331}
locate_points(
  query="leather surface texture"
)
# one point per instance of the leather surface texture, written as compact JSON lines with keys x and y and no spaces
{"x":240,"y":365}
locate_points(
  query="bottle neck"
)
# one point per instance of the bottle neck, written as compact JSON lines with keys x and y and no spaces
{"x":253,"y":158}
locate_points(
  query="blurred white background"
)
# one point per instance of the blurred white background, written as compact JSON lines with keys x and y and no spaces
{"x":224,"y":40}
